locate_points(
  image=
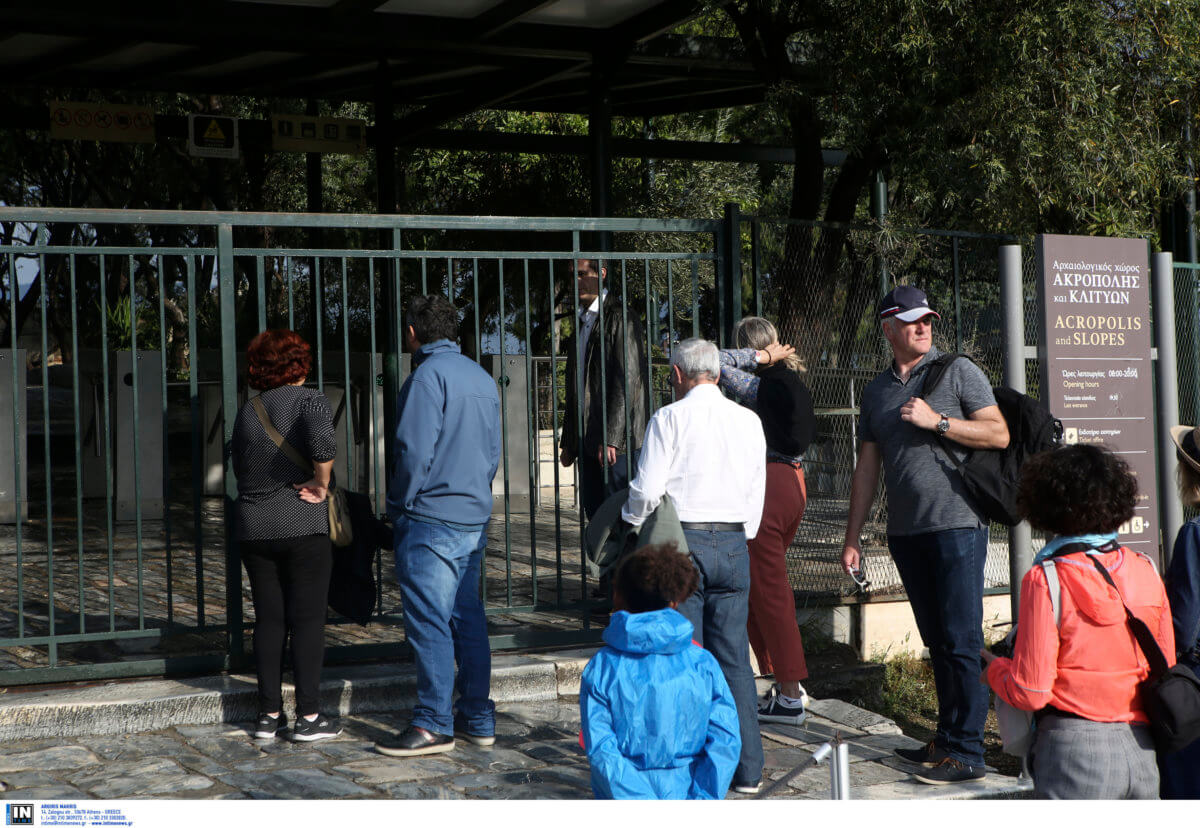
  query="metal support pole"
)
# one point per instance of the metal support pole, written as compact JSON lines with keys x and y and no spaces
{"x":227,"y":290}
{"x":600,"y":147}
{"x":731,"y":271}
{"x":314,"y":190}
{"x":879,"y":194}
{"x":1012,"y":304}
{"x":1187,"y":307}
{"x":385,"y":171}
{"x":839,"y":772}
{"x":1170,"y":512}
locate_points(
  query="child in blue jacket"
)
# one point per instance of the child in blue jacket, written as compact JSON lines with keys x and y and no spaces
{"x":659,"y":721}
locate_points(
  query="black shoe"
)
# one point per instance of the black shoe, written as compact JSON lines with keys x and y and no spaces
{"x":926,"y":755}
{"x":268,"y":728}
{"x":948,"y":771}
{"x":747,"y":787}
{"x":319,"y":728}
{"x":416,"y":741}
{"x":774,"y":710}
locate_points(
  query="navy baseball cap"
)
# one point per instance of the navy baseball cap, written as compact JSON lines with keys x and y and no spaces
{"x":906,"y":303}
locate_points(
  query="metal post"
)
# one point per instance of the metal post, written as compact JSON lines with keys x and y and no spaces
{"x":731,"y":272}
{"x":385,"y":171}
{"x":1170,"y":511}
{"x":1186,"y":304}
{"x":227,"y":287}
{"x":1012,"y":296}
{"x":840,"y":768}
{"x":600,"y":144}
{"x":879,"y":213}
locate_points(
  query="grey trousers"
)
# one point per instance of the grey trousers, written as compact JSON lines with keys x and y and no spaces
{"x":1081,"y":759}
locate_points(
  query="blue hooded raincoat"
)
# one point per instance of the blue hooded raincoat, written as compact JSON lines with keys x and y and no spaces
{"x":658,"y":718}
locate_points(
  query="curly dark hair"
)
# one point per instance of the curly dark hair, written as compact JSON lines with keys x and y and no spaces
{"x":1077,"y":490}
{"x":433,"y":317}
{"x":277,"y":357}
{"x":655,"y":577}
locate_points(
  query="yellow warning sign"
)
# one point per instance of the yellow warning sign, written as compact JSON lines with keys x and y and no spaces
{"x":213,"y":131}
{"x":212,"y":136}
{"x":91,"y":121}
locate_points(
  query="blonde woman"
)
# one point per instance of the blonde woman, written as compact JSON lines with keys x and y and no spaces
{"x":783,"y":403}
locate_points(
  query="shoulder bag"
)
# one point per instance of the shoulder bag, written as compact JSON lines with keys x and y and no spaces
{"x":341,"y":532}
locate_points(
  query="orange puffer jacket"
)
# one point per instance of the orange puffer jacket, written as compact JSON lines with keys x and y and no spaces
{"x":1091,"y":664}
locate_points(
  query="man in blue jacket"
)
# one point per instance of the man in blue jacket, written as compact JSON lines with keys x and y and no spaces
{"x":440,"y":501}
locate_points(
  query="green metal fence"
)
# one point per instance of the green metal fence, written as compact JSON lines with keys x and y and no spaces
{"x":118,"y":558}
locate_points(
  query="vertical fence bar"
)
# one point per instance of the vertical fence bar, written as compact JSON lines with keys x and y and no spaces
{"x":77,"y":417}
{"x":650,"y":328}
{"x":318,"y":302}
{"x":103,"y":404}
{"x":228,"y":321}
{"x":13,"y":288}
{"x":346,"y":396}
{"x":503,"y":378}
{"x":376,"y":460}
{"x":625,"y":372}
{"x":52,"y":631}
{"x":1012,"y":293}
{"x":1170,"y":511}
{"x":291,"y":299}
{"x":554,"y":442}
{"x":166,"y":441}
{"x":958,"y":320}
{"x":578,"y":344}
{"x":696,"y":297}
{"x":137,"y":453}
{"x":756,"y":265}
{"x":260,"y":288}
{"x":534,"y":446}
{"x":198,"y":431}
{"x":599,"y":330}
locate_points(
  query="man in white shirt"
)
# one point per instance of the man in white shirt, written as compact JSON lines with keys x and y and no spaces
{"x":709,"y":455}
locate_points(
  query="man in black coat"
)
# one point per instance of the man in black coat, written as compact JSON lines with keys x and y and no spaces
{"x":612,"y":388}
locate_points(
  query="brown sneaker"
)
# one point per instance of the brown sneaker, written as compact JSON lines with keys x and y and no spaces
{"x":948,"y":771}
{"x":926,"y":756}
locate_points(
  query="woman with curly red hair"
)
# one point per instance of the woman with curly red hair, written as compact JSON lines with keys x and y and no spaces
{"x":283,"y":528}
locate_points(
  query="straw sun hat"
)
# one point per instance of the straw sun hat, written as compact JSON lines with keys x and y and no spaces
{"x":1187,"y":444}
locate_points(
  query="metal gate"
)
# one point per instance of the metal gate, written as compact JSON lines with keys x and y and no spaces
{"x":123,"y":363}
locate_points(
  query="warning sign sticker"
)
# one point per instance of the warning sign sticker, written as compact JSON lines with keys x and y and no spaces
{"x":90,"y":121}
{"x":212,"y":136}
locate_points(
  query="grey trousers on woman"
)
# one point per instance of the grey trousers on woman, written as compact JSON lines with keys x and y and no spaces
{"x":1081,"y":759}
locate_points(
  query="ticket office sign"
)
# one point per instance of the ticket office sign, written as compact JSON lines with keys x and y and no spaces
{"x":1095,"y":357}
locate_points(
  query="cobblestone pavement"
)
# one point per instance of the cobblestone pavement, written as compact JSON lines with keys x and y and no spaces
{"x":536,"y":756}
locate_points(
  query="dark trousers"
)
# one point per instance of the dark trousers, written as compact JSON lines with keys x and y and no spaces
{"x":718,"y":611}
{"x":593,"y":490}
{"x":289,"y":580}
{"x":943,"y":576}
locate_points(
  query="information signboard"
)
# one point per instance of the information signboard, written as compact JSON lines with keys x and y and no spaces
{"x":1096,"y":360}
{"x":311,"y":133}
{"x":212,"y":136}
{"x":92,"y":121}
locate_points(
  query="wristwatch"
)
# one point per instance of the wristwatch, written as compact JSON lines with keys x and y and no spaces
{"x":943,"y":424}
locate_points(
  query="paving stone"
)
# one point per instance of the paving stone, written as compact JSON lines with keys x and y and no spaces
{"x":227,"y":751}
{"x":283,"y":760}
{"x":27,"y":779}
{"x":26,"y":745}
{"x":390,"y":769}
{"x":410,"y":790}
{"x":52,"y":758}
{"x":48,"y":792}
{"x":555,"y":753}
{"x":848,"y":715}
{"x":494,"y":759}
{"x":230,"y":730}
{"x":138,"y":778}
{"x":343,"y":750}
{"x":541,"y":792}
{"x":135,"y":746}
{"x":202,"y":765}
{"x":303,"y":783}
{"x":786,"y":758}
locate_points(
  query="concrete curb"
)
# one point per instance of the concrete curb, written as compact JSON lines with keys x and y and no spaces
{"x":134,"y":707}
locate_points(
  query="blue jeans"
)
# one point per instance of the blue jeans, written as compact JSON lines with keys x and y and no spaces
{"x":438,"y":570}
{"x":718,"y":611}
{"x":943,"y":576}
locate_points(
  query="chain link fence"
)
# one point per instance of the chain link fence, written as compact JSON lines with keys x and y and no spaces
{"x":821,"y":285}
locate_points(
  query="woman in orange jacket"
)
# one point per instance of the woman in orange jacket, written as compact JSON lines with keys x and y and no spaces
{"x":1081,"y":674}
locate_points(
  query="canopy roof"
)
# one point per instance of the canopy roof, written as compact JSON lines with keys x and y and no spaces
{"x":439,"y":58}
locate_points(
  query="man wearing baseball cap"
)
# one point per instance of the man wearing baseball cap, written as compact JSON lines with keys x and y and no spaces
{"x":936,"y":535}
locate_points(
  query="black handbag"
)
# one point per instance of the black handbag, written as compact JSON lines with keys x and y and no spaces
{"x":1171,"y":695}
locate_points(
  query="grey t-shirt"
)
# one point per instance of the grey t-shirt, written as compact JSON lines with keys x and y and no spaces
{"x":924,"y":489}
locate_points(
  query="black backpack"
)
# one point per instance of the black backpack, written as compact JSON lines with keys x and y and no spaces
{"x":991,"y":475}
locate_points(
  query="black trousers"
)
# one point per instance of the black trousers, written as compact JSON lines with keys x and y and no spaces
{"x":289,"y":579}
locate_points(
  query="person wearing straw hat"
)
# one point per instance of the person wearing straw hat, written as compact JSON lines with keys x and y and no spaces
{"x":1180,"y":771}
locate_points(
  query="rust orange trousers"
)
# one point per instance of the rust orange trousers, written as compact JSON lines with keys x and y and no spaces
{"x":774,"y":634}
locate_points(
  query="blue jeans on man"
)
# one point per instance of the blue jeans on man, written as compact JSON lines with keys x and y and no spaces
{"x":718,"y":611}
{"x":438,"y":567}
{"x":943,"y":576}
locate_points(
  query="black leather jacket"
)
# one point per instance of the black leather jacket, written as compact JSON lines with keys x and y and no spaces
{"x":624,"y":375}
